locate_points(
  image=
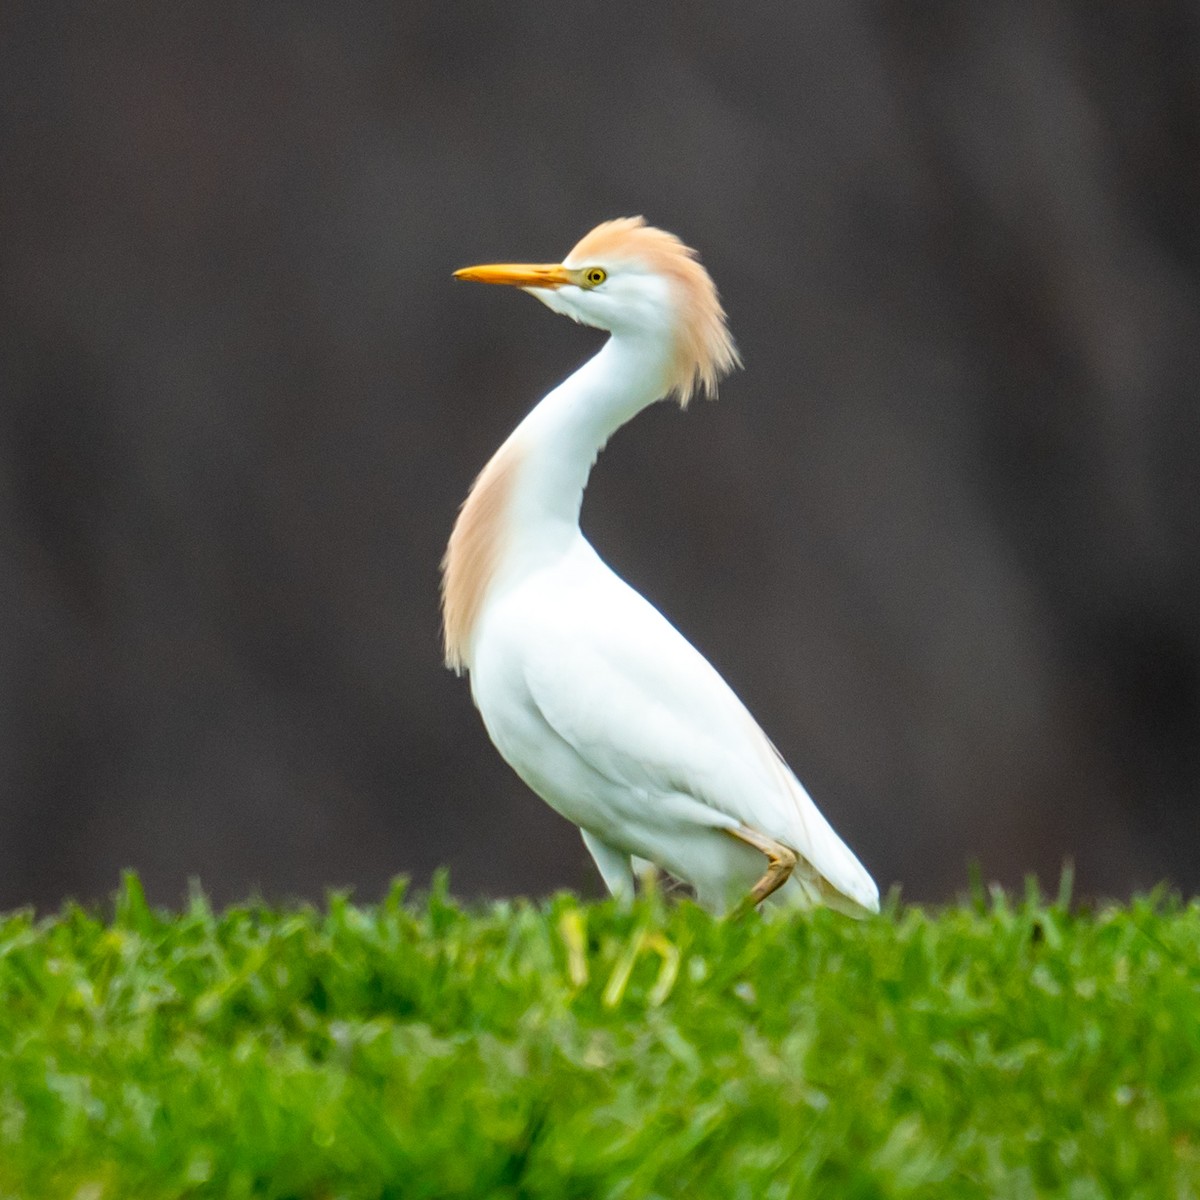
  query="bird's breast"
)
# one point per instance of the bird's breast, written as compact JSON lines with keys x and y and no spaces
{"x":511,"y":634}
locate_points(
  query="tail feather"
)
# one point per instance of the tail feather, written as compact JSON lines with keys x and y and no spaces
{"x":839,"y":879}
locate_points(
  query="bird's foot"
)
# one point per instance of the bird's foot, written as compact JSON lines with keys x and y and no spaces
{"x":781,"y":861}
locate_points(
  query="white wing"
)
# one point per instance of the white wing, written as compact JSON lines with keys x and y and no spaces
{"x":616,"y":681}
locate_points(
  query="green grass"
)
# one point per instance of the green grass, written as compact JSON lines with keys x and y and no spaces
{"x":998,"y":1049}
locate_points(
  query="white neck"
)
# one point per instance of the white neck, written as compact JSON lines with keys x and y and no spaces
{"x":523,"y":510}
{"x":559,"y":440}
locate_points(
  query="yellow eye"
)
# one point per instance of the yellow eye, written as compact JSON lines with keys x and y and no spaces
{"x":594,"y":276}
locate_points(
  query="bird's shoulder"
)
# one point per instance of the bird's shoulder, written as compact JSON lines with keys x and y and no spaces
{"x":581,"y":616}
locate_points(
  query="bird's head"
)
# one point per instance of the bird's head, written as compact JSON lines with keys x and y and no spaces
{"x":632,"y":279}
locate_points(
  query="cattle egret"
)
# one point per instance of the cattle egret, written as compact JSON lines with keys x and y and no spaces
{"x":595,"y":699}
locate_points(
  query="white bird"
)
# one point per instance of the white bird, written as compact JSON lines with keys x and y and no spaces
{"x":595,"y":699}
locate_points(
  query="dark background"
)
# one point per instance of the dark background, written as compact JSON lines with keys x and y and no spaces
{"x":941,"y":533}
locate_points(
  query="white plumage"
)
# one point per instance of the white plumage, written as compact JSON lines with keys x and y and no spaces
{"x":594,"y":698}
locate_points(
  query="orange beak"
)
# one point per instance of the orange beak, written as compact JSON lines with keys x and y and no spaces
{"x":537,"y":275}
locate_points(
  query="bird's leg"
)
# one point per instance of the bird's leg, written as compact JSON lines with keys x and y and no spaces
{"x":780,"y":862}
{"x":613,"y":866}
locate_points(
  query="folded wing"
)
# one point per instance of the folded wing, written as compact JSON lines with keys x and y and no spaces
{"x":641,"y":706}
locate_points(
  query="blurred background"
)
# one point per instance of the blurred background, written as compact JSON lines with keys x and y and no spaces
{"x":941,"y":534}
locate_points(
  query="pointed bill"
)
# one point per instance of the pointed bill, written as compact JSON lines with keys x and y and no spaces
{"x":538,"y":275}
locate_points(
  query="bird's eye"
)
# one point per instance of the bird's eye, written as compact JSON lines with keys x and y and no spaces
{"x":594,"y":276}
